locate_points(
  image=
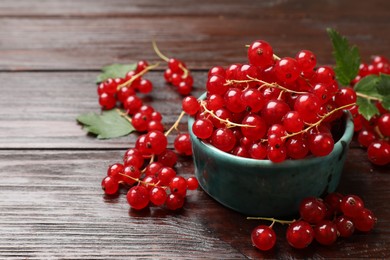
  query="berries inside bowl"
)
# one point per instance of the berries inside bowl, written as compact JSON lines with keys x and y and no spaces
{"x":260,"y":187}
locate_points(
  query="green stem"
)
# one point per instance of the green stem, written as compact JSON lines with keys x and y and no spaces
{"x":158,"y":52}
{"x":273,"y":220}
{"x":140,"y":74}
{"x":368,"y":97}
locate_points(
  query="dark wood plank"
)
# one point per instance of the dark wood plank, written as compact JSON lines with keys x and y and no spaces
{"x":52,"y":207}
{"x":103,"y":33}
{"x":39,"y":109}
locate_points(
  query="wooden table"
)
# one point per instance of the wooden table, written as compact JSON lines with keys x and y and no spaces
{"x":51,"y":203}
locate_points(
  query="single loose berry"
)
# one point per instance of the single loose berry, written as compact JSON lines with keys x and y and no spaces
{"x":138,"y":197}
{"x":263,"y":237}
{"x":299,"y":234}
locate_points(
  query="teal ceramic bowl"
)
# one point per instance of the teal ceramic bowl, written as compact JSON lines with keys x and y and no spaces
{"x":262,"y":188}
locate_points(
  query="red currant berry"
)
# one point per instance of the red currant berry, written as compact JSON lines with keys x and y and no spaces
{"x":233,"y":100}
{"x":182,"y":144}
{"x":153,"y":168}
{"x":286,"y":70}
{"x":253,"y":100}
{"x":274,"y":111}
{"x":190,"y":105}
{"x":345,"y":226}
{"x":178,"y":185}
{"x":351,"y":205}
{"x":312,"y":210}
{"x":366,"y":137}
{"x":260,"y":54}
{"x":325,"y":232}
{"x":107,"y":101}
{"x":114,"y":170}
{"x":132,"y":104}
{"x":165,"y":175}
{"x":321,"y":144}
{"x":306,"y":60}
{"x":345,"y":96}
{"x":192,"y":183}
{"x":308,"y":106}
{"x":110,"y":185}
{"x":364,"y":220}
{"x":145,"y":86}
{"x":297,"y":147}
{"x":276,"y":154}
{"x":141,"y":65}
{"x":174,"y":201}
{"x":138,"y":197}
{"x":263,"y":237}
{"x":158,"y":196}
{"x":156,"y":142}
{"x":167,"y":158}
{"x":203,"y":128}
{"x":333,"y":201}
{"x":299,"y":234}
{"x":217,"y":70}
{"x":292,"y":122}
{"x":131,"y":175}
{"x":223,"y":139}
{"x":379,"y":152}
{"x":255,"y":127}
{"x":384,"y":124}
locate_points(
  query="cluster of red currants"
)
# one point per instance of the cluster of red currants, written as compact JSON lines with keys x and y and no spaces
{"x":157,"y":182}
{"x":147,"y":169}
{"x":271,"y":108}
{"x":374,"y":134}
{"x":120,"y":89}
{"x":320,"y":220}
{"x":177,"y":73}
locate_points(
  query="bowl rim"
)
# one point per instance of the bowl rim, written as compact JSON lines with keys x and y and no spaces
{"x":339,"y":145}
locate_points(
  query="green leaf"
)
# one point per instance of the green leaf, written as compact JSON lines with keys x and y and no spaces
{"x":115,"y":71}
{"x":347,"y":58}
{"x":366,"y":108}
{"x":386,"y":102}
{"x":109,"y":124}
{"x":383,"y":86}
{"x":368,"y":86}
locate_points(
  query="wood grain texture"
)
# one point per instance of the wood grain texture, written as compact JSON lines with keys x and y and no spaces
{"x":39,"y":109}
{"x":51,"y":203}
{"x":52,"y":207}
{"x":88,"y":35}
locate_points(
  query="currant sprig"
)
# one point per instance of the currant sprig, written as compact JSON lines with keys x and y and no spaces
{"x":323,"y":220}
{"x":177,"y":73}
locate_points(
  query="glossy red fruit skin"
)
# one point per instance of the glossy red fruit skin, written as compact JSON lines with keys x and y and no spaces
{"x":345,"y":226}
{"x":274,"y":111}
{"x":256,"y":128}
{"x":299,"y":234}
{"x":379,"y":152}
{"x":223,"y":139}
{"x":174,"y":202}
{"x":286,"y":70}
{"x":384,"y":124}
{"x":110,"y":185}
{"x":325,"y":232}
{"x":263,"y":237}
{"x":351,"y":205}
{"x":260,"y":54}
{"x":138,"y":197}
{"x":364,"y":220}
{"x":312,"y":210}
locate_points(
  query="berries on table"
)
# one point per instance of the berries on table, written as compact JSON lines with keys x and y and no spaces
{"x":263,"y":237}
{"x":321,"y":220}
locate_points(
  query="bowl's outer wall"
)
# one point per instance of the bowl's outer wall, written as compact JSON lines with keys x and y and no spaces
{"x":261,"y":188}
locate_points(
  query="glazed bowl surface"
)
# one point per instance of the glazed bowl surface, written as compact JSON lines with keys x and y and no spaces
{"x":263,"y":188}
